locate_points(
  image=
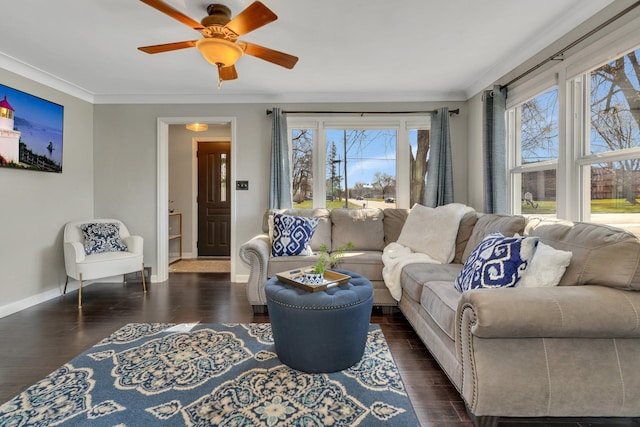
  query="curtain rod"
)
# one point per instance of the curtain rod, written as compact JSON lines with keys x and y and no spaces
{"x":558,"y":55}
{"x":456,"y":111}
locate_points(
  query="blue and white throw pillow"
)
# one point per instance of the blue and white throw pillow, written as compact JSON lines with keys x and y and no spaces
{"x":292,"y":235}
{"x":102,"y":237}
{"x":497,"y":262}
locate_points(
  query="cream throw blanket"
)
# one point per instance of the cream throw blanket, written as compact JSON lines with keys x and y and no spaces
{"x":428,"y":235}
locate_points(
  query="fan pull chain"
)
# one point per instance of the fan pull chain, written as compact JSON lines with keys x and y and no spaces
{"x":219,"y":76}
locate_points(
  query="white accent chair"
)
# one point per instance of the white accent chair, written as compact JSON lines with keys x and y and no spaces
{"x":81,"y":266}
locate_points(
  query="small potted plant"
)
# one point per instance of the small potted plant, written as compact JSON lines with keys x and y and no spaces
{"x":326,"y":260}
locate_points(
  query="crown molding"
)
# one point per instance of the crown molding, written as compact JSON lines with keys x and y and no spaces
{"x":259,"y":98}
{"x":30,"y":72}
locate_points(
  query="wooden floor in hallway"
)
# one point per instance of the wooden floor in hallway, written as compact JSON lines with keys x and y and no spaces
{"x":37,"y":340}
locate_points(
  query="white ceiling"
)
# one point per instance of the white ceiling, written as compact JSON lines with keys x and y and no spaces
{"x":349,"y":50}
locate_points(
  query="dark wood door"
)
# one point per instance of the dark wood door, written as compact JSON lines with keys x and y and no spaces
{"x":214,"y":199}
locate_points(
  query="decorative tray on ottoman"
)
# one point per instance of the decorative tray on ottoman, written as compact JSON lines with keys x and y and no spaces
{"x":296,"y":278}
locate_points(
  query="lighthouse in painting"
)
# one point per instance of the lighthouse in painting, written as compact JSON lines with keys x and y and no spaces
{"x":9,"y":138}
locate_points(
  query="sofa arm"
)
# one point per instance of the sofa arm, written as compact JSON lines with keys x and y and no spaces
{"x":134,"y":244}
{"x":73,"y":254}
{"x":255,"y":253}
{"x":564,"y":311}
{"x":74,"y":251}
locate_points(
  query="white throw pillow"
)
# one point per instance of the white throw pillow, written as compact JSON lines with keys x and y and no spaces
{"x":547,"y":267}
{"x":433,"y":231}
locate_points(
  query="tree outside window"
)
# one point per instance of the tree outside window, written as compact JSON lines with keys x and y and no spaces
{"x":615,"y":126}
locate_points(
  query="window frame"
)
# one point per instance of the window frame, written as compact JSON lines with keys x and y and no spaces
{"x":515,"y":168}
{"x":570,"y":74}
{"x":401,"y":123}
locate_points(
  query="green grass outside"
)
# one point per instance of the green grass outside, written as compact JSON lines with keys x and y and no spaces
{"x":544,"y":206}
{"x":308,"y":204}
{"x":597,"y":206}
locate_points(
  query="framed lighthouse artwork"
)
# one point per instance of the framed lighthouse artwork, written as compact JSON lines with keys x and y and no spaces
{"x":30,"y":132}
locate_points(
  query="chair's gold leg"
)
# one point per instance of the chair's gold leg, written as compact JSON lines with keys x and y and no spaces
{"x":80,"y":292}
{"x":66,"y":282}
{"x":144,"y":282}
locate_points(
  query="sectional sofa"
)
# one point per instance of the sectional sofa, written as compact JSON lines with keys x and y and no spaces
{"x":571,"y":350}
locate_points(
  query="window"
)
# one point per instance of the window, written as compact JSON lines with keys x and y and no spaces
{"x":610,"y":163}
{"x":534,"y":157}
{"x":357,"y":162}
{"x":574,"y":146}
{"x":364,"y":162}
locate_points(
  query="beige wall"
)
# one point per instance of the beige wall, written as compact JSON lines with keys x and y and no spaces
{"x":474,"y":153}
{"x":34,"y":206}
{"x":125,"y":141}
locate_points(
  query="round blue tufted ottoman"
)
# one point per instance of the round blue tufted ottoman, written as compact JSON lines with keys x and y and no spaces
{"x":324,"y":331}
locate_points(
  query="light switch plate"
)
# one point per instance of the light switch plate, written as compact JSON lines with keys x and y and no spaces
{"x":242,"y":185}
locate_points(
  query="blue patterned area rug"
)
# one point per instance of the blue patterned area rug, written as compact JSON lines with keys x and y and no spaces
{"x":210,"y":375}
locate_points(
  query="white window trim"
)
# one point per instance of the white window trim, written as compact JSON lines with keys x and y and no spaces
{"x":399,"y":122}
{"x":572,"y":169}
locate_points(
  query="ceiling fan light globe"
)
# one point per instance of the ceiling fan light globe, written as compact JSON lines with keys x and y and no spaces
{"x":219,"y":52}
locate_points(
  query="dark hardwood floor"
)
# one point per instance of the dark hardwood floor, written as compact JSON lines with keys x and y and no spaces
{"x":39,"y":339}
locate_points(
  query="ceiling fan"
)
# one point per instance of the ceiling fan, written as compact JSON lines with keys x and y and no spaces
{"x":220,"y":45}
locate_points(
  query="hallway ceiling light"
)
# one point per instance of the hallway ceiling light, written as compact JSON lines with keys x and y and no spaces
{"x":197,"y":127}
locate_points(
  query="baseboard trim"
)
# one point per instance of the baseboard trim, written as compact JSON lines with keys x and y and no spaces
{"x":14,"y":307}
{"x":240,"y":278}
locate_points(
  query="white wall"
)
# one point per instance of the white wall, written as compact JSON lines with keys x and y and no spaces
{"x":34,"y":206}
{"x":125,"y":152}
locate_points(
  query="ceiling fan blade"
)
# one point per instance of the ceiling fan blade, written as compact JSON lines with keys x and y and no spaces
{"x":159,"y":48}
{"x":254,"y":16}
{"x":175,"y":14}
{"x":275,"y":57}
{"x":227,"y":73}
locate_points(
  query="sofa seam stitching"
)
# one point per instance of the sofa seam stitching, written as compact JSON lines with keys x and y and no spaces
{"x":546,"y":360}
{"x":615,"y":347}
{"x":561,"y":312}
{"x":630,"y":283}
{"x":634,"y":310}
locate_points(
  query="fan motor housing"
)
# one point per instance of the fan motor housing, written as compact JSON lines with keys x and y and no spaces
{"x":219,"y":14}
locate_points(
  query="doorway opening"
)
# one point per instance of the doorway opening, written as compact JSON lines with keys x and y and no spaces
{"x":178,"y":184}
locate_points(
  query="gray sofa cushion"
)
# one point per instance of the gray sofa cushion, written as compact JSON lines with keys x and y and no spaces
{"x":596,"y":248}
{"x":508,"y":225}
{"x":362,"y":227}
{"x":440,"y":300}
{"x":393,"y":221}
{"x":285,"y":263}
{"x":414,"y":276}
{"x":467,"y":223}
{"x":367,"y":263}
